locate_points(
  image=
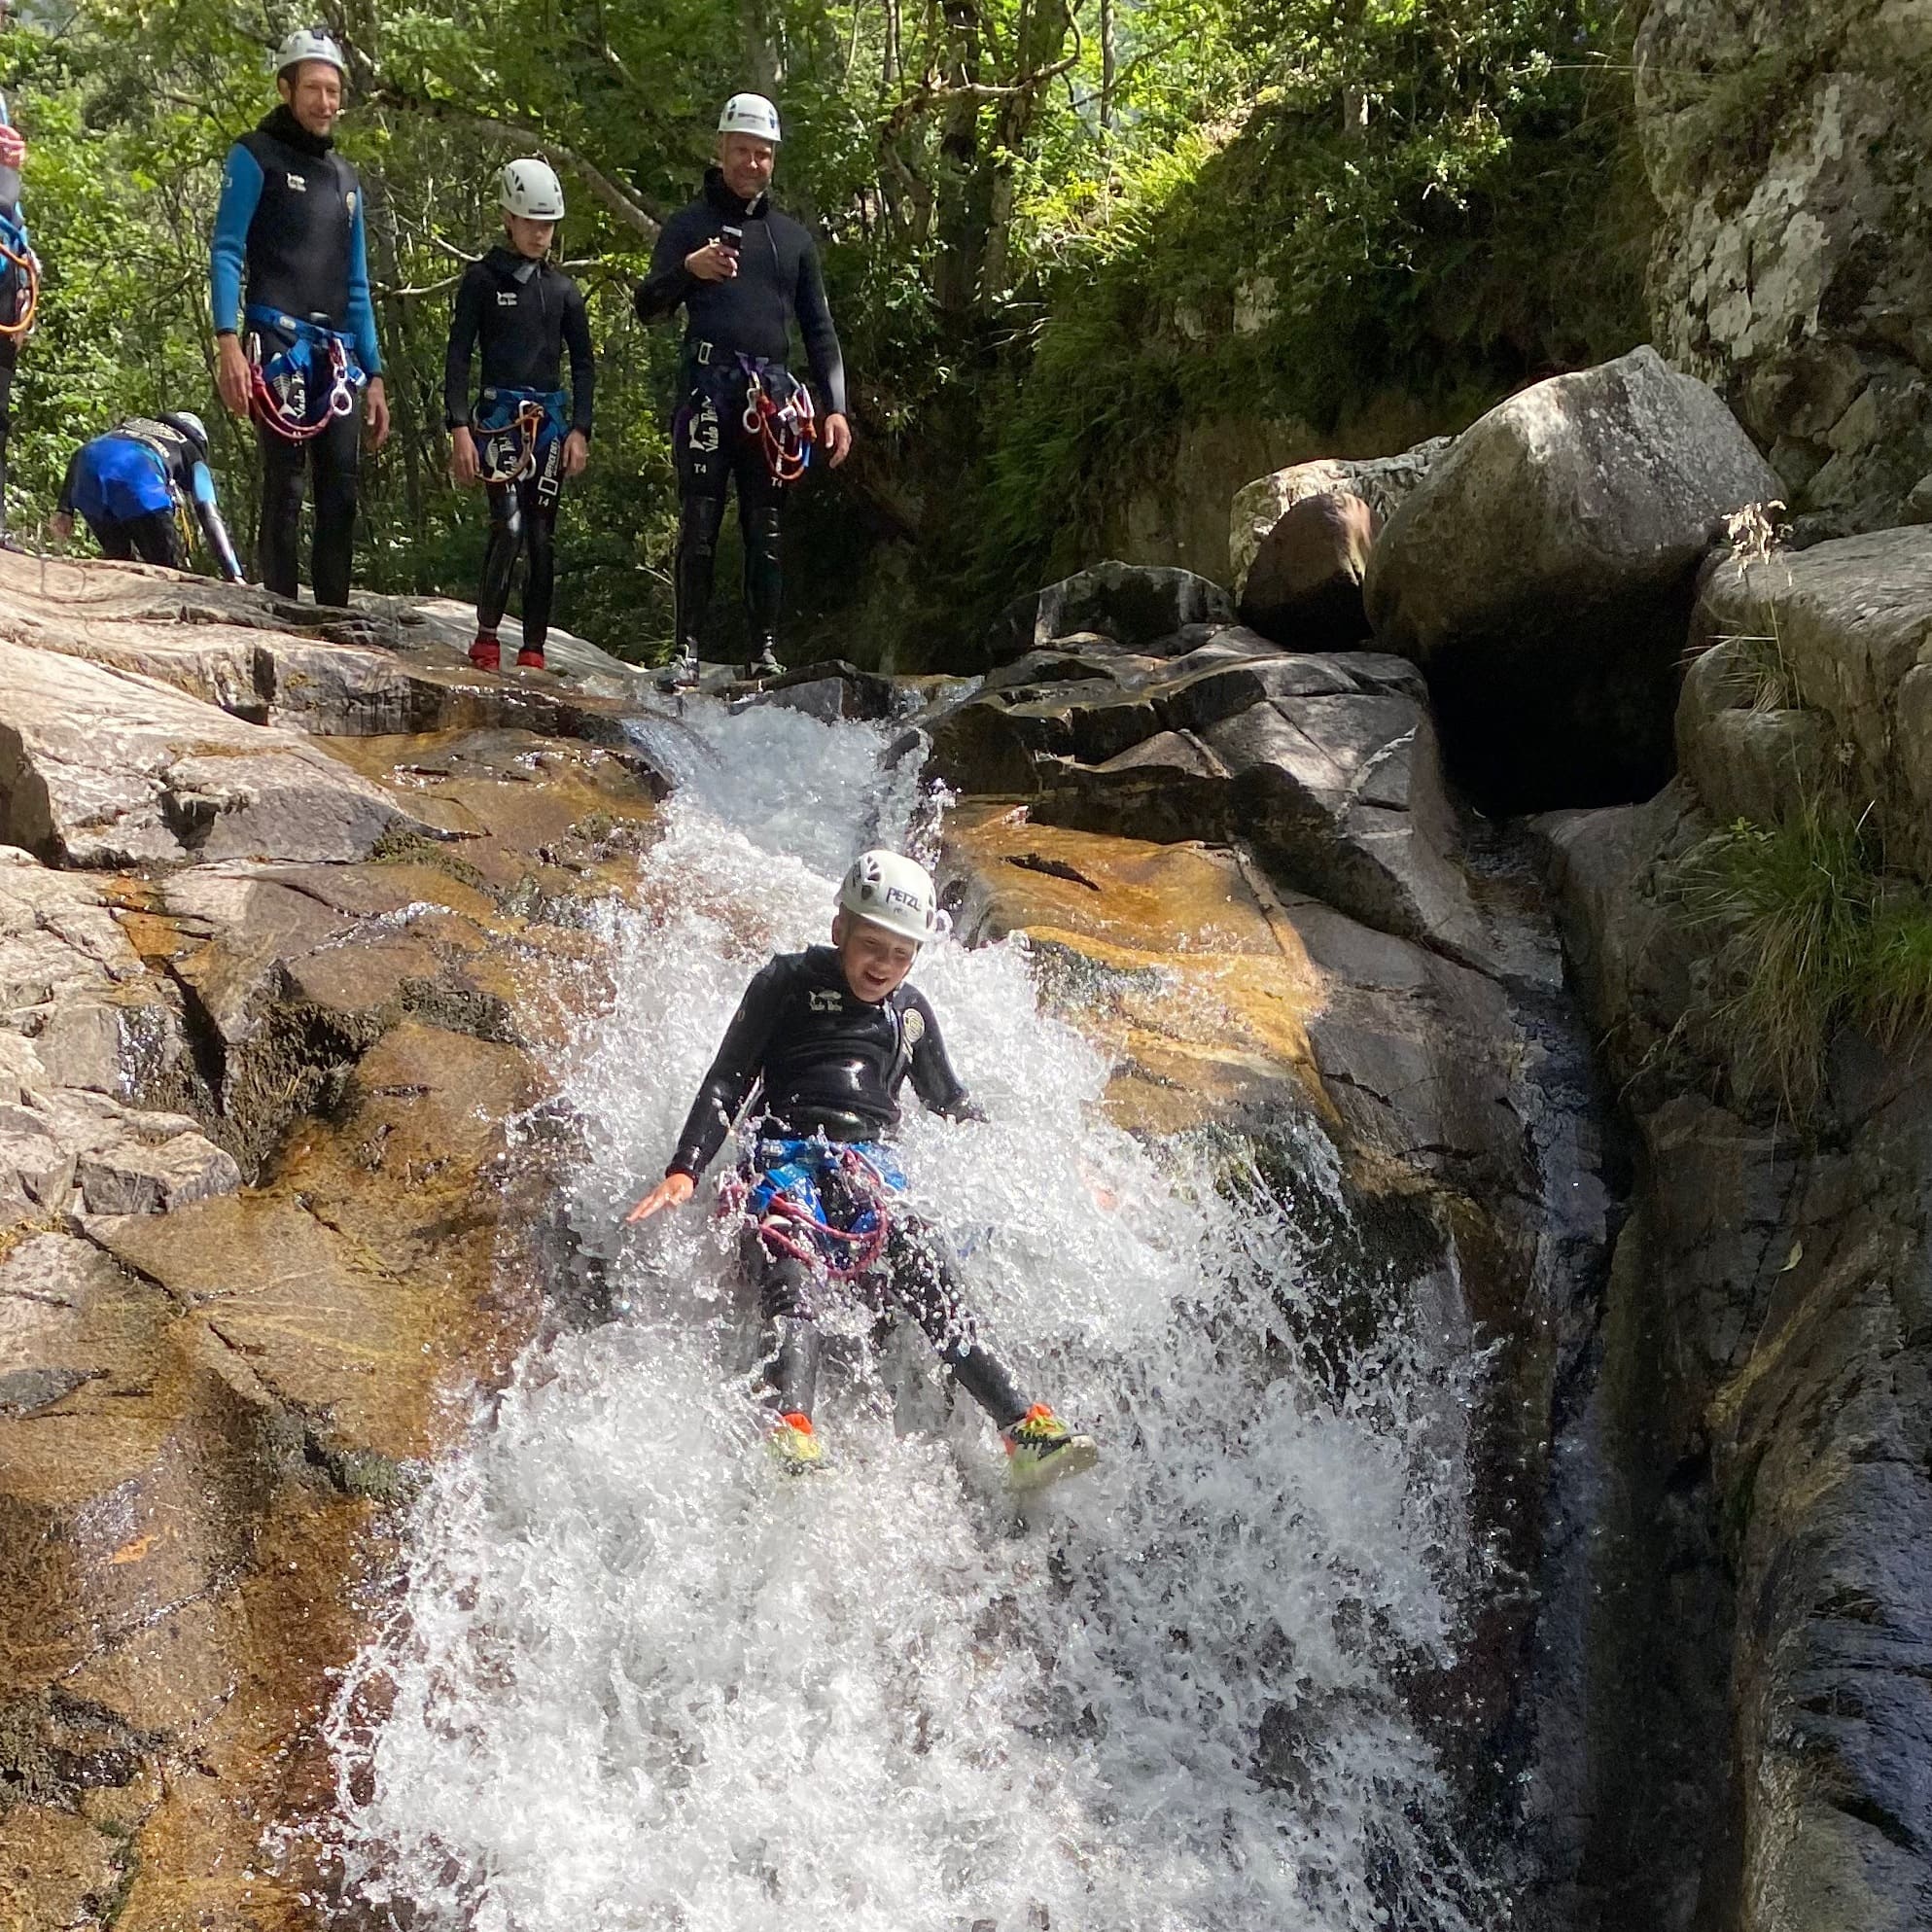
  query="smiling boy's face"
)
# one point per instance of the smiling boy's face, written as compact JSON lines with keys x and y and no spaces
{"x":874,"y":960}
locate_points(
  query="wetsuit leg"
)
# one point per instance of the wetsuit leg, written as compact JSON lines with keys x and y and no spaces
{"x":114,"y":539}
{"x":500,"y":555}
{"x":704,"y":474}
{"x":284,"y":467}
{"x":920,"y":1273}
{"x":760,"y":502}
{"x":788,"y":1298}
{"x":336,"y":454}
{"x":539,"y":571}
{"x":156,"y":539}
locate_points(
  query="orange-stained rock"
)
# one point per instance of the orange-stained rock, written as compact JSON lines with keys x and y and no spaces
{"x":1175,"y":955}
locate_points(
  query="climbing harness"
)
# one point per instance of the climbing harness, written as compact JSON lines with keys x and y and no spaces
{"x":784,"y":1193}
{"x":520,"y":433}
{"x":776,"y":410}
{"x":282,"y":388}
{"x":17,"y":251}
{"x":779,"y":413}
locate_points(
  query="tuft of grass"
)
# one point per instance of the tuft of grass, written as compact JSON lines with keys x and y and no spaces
{"x":1821,"y":935}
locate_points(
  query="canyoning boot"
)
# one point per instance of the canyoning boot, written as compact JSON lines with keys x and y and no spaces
{"x":1040,"y":1448}
{"x":529,"y":660}
{"x":766,"y":665}
{"x":486,"y":653}
{"x":682,"y":673}
{"x":794,"y":1445}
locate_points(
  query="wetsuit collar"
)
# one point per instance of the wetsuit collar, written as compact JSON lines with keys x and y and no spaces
{"x":509,"y":266}
{"x":281,"y":124}
{"x":725,"y":203}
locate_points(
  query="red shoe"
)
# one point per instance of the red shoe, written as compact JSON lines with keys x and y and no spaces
{"x":530,"y":660}
{"x":486,"y":653}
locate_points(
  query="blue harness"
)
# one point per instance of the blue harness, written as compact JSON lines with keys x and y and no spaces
{"x":823,"y":1201}
{"x":300,"y":389}
{"x":520,"y":433}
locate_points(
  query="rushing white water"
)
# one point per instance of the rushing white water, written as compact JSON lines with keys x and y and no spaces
{"x":638,"y":1679}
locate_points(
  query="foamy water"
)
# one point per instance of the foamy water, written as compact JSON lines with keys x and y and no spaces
{"x":638,"y":1679}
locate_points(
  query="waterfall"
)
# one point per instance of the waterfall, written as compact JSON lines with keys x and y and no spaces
{"x":635,"y":1678}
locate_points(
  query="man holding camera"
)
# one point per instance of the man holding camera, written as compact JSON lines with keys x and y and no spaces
{"x":743,"y":272}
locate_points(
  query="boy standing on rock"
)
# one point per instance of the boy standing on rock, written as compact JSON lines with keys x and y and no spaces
{"x":525,"y":436}
{"x":828,"y":1037}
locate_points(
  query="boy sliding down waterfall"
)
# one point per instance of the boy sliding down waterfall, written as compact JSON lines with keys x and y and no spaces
{"x":829,"y":1036}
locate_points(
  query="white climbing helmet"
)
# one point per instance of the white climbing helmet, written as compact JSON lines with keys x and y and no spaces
{"x":310,"y":44}
{"x":750,"y":114}
{"x":530,"y":189}
{"x":897,"y":893}
{"x":190,"y":426}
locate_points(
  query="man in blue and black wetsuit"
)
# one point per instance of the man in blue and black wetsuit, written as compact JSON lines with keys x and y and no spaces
{"x":743,"y":273}
{"x":525,"y":436}
{"x":19,"y":284}
{"x":290,"y":269}
{"x":827,"y":1038}
{"x":132,"y":485}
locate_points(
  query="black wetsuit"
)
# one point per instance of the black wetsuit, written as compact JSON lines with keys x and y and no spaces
{"x":290,"y":225}
{"x":778,"y":280}
{"x":524,"y":314}
{"x":827,"y":1062}
{"x":12,"y":290}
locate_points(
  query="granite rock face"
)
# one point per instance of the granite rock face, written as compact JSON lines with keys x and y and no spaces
{"x":1785,"y":146}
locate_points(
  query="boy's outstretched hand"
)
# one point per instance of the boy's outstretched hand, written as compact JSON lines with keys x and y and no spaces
{"x":672,"y":1191}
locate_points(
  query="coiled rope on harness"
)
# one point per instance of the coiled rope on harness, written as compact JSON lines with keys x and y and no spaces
{"x":785,"y":429}
{"x":517,"y":432}
{"x":278,"y":391}
{"x":17,"y":251}
{"x":790,"y":1223}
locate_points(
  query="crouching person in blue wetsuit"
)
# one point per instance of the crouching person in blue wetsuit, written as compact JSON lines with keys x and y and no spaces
{"x":135,"y":487}
{"x":827,"y":1038}
{"x":525,"y":436}
{"x":289,"y":254}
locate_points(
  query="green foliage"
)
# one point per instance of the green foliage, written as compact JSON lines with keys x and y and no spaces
{"x":1058,"y":230}
{"x":1818,"y":934}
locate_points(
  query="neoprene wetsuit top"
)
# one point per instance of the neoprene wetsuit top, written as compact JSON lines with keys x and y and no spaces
{"x":778,"y":278}
{"x":290,"y":217}
{"x":526,"y":313}
{"x":829,"y":1062}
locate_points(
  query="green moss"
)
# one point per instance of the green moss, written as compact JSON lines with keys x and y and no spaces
{"x":396,"y":847}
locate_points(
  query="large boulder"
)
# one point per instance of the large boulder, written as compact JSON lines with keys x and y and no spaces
{"x":1325,"y":765}
{"x":1839,"y":637}
{"x":1305,"y":589}
{"x":1137,"y":605}
{"x":1382,"y":482}
{"x":1542,"y":576}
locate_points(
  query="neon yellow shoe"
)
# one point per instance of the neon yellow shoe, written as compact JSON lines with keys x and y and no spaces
{"x":1040,"y":1448}
{"x":794,"y":1445}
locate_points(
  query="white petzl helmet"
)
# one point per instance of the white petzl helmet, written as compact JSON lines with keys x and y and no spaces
{"x":750,"y":114}
{"x":897,"y":893}
{"x":530,"y":189}
{"x":309,"y":44}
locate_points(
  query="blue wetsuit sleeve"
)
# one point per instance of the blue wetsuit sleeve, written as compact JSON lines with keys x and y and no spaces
{"x":734,"y":1073}
{"x":582,"y":362}
{"x":361,"y":312}
{"x":228,"y":255}
{"x":207,"y":514}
